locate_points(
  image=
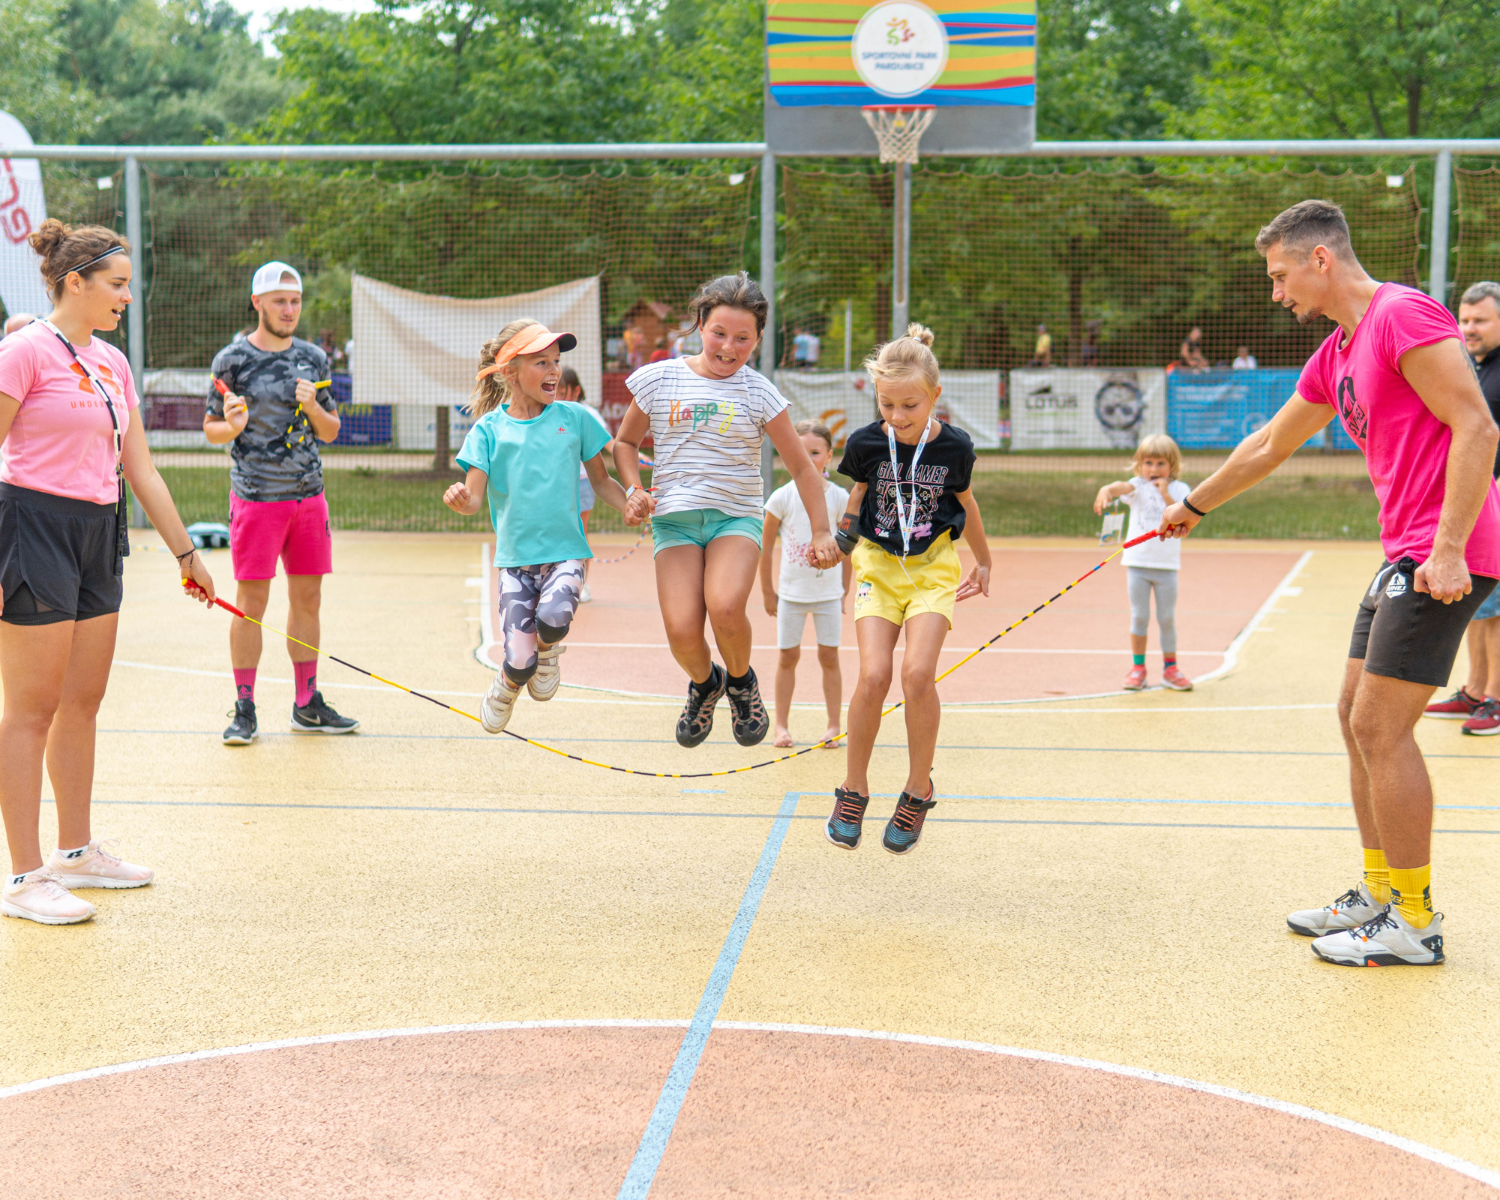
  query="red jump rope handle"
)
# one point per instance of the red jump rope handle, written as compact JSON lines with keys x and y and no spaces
{"x":189,"y":586}
{"x":221,"y":385}
{"x":1145,"y":537}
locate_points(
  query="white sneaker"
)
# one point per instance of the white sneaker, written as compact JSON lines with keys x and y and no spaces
{"x":42,"y":898}
{"x":1349,"y":911}
{"x":1385,"y":940}
{"x":97,"y":867}
{"x":544,"y":684}
{"x":584,"y":595}
{"x":494,"y":711}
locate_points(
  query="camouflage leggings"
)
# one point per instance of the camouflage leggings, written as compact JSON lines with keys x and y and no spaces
{"x":536,"y":600}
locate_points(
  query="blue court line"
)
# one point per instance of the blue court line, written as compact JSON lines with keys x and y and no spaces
{"x":653,"y":1144}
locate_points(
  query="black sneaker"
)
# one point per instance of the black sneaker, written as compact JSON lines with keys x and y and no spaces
{"x":697,"y":720}
{"x":317,"y":717}
{"x":904,"y":829}
{"x":750,"y":720}
{"x":844,"y":828}
{"x":242,"y":729}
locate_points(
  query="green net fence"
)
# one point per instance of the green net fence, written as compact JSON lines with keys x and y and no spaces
{"x":1053,"y":290}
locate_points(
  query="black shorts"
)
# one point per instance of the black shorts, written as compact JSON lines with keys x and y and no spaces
{"x":1406,"y":634}
{"x":58,"y":558}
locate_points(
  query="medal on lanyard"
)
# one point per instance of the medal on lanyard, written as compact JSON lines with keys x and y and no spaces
{"x":902,"y":522}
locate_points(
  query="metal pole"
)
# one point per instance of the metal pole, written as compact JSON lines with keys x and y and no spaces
{"x":768,"y":286}
{"x":848,"y":335}
{"x":1442,"y":204}
{"x":901,"y":252}
{"x":135,"y":315}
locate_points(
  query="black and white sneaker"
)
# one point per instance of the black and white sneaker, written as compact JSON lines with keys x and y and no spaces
{"x":242,"y":728}
{"x":317,"y":717}
{"x":750,"y":720}
{"x":697,"y":720}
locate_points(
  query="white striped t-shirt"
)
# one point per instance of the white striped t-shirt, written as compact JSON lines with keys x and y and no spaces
{"x":707,"y":435}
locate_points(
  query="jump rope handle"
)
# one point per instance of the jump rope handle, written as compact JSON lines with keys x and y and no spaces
{"x":222,"y":387}
{"x":1145,"y":537}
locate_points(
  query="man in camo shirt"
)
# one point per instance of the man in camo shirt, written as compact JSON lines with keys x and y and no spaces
{"x":274,"y":417}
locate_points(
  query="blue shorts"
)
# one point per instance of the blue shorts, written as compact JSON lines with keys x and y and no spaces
{"x":699,"y":526}
{"x":1490,"y":607}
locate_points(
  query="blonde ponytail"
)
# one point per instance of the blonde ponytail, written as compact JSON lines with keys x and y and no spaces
{"x":493,"y":390}
{"x":906,"y":357}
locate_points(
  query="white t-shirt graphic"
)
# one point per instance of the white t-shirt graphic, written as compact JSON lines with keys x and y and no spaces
{"x":707,"y":435}
{"x":1146,"y":511}
{"x":800,"y":580}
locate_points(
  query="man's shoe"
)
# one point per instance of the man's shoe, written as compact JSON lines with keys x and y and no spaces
{"x":316,"y":717}
{"x":547,"y":677}
{"x":242,"y":727}
{"x":844,"y":828}
{"x":495,"y":708}
{"x":1135,"y":680}
{"x":697,"y":719}
{"x":1486,"y":719}
{"x":1349,"y":911}
{"x":1385,"y":940}
{"x":1458,"y":707}
{"x":40,"y":897}
{"x":96,"y":866}
{"x":748,"y":712}
{"x":904,"y":829}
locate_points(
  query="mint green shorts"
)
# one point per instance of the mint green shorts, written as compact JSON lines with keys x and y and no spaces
{"x":699,"y":526}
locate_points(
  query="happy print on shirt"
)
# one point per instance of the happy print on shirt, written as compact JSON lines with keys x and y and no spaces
{"x":919,"y":497}
{"x":698,"y":415}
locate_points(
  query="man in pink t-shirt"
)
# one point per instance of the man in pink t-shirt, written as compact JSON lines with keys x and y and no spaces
{"x":1396,"y":373}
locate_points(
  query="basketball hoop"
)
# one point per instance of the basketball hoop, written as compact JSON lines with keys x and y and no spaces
{"x":898,"y":128}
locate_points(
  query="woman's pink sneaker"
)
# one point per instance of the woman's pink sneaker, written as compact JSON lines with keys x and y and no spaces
{"x":40,"y":896}
{"x":95,"y":867}
{"x":1136,"y":680}
{"x":1172,"y":677}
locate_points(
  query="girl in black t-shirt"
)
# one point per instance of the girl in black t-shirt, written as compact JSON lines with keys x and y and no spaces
{"x":911,"y":499}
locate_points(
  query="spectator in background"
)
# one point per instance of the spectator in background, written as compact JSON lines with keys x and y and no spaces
{"x":1477,"y":702}
{"x":1088,"y":353}
{"x":18,"y":321}
{"x":813,"y":350}
{"x":1243,"y":359}
{"x":1190,"y":356}
{"x":1042,"y":357}
{"x":799,"y":347}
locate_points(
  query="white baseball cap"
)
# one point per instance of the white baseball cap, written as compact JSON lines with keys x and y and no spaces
{"x":269,"y":279}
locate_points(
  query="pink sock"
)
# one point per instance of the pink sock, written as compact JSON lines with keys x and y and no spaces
{"x":307,"y":680}
{"x":244,"y":684}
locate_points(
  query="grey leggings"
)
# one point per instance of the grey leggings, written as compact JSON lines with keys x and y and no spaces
{"x":1141,"y":580}
{"x":536,"y":602}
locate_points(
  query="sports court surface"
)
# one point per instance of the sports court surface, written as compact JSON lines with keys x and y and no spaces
{"x":421,"y":961}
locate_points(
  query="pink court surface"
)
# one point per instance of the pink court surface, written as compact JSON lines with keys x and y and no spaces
{"x":422,"y":961}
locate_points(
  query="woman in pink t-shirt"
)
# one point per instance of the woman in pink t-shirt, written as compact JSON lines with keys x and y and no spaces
{"x":67,"y":442}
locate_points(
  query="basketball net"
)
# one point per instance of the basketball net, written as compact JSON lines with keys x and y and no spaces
{"x":898,"y":130}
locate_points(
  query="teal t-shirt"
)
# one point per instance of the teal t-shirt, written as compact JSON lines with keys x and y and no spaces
{"x":533,"y":479}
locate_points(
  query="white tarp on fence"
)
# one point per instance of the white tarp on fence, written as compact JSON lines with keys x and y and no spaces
{"x":1067,"y":408}
{"x":22,"y":209}
{"x":415,"y":349}
{"x":971,"y":401}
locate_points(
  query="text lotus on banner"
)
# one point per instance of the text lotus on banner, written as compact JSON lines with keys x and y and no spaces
{"x":23,"y":207}
{"x":1065,"y":408}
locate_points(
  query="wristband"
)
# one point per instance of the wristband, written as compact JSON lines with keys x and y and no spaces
{"x":1188,"y":504}
{"x":631,"y":490}
{"x":845,"y":535}
{"x":187,"y":553}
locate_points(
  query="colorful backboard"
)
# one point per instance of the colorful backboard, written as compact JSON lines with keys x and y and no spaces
{"x":974,"y":60}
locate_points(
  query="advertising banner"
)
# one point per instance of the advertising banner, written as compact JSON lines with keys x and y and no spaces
{"x":22,"y":209}
{"x":1216,"y":410}
{"x":1066,"y":408}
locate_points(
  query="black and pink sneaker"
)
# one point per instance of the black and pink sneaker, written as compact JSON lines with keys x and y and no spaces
{"x":697,"y":719}
{"x":1458,"y":707}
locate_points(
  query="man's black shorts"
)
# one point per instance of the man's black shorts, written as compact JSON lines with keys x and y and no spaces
{"x":57,"y":558}
{"x":1406,"y":634}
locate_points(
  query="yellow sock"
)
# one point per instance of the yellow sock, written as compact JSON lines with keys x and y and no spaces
{"x":1377,"y":876}
{"x":1411,"y":894}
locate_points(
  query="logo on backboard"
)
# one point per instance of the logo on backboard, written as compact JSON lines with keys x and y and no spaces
{"x":900,"y":48}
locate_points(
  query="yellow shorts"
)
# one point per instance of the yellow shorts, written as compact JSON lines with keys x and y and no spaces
{"x":882,"y":589}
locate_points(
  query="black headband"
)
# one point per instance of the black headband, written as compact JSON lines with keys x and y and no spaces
{"x":85,"y":266}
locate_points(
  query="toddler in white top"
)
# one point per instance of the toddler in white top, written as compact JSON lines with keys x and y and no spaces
{"x":805,"y":590}
{"x":1152,"y":566}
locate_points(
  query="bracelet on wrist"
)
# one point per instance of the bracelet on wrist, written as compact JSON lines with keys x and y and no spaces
{"x":1189,"y":505}
{"x":188,"y":553}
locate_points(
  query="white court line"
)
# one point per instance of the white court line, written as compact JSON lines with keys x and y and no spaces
{"x":1232,"y":654}
{"x":1430,"y":1153}
{"x":1113,"y":651}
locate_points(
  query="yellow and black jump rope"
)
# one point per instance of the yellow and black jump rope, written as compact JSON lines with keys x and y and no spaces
{"x":224,"y":604}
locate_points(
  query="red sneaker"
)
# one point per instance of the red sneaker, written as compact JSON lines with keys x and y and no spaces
{"x":1172,"y":677}
{"x":1486,"y":719}
{"x":1458,"y":707}
{"x":1136,"y":680}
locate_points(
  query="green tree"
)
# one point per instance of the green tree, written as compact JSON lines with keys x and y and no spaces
{"x":1346,"y":68}
{"x":33,"y":91}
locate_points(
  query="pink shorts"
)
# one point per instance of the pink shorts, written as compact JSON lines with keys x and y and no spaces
{"x":294,"y":530}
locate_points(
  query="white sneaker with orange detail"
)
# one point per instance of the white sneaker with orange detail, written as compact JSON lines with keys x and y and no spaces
{"x":39,"y":896}
{"x":1386,"y":940}
{"x":1353,"y":908}
{"x":97,"y":866}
